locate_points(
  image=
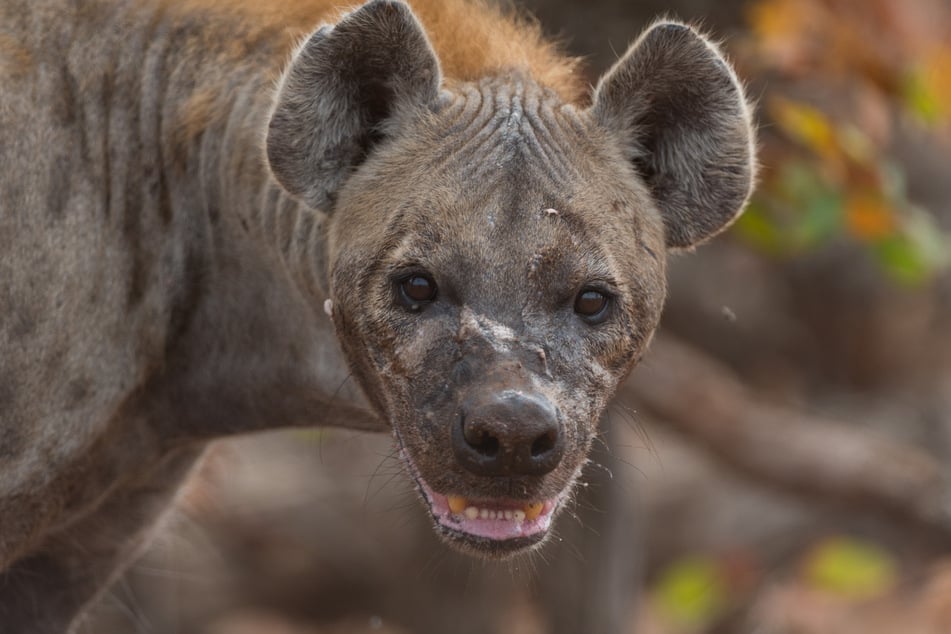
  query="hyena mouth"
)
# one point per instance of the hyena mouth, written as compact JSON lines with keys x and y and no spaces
{"x":498,"y":523}
{"x":490,"y":526}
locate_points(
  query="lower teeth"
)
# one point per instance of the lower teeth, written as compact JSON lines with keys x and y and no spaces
{"x":517,"y":515}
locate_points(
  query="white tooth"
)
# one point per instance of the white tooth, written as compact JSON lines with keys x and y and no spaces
{"x":472,"y":513}
{"x":508,"y":515}
{"x":484,"y":514}
{"x":518,"y":515}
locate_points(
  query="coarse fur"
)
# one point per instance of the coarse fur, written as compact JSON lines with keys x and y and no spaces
{"x":172,"y":227}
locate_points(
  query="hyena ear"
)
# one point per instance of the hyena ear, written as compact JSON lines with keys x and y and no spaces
{"x":344,"y":90}
{"x":679,"y":110}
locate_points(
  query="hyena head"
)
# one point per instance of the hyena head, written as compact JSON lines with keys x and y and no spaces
{"x":496,"y":256}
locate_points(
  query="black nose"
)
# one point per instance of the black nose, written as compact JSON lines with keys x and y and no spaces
{"x":508,"y":433}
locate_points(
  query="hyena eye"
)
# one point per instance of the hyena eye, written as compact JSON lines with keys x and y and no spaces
{"x":592,"y":305}
{"x":417,"y":289}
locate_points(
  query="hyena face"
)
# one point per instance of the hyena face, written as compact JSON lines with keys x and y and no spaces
{"x":496,"y":256}
{"x":513,"y":281}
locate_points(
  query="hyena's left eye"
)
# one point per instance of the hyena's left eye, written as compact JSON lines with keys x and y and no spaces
{"x":417,"y":289}
{"x":592,"y":305}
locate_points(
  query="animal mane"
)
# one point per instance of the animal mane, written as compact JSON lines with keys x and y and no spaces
{"x":472,"y":38}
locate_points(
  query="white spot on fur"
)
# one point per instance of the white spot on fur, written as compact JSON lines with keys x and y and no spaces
{"x":604,"y":376}
{"x":551,"y":212}
{"x":497,"y":334}
{"x":417,"y":349}
{"x":329,"y":307}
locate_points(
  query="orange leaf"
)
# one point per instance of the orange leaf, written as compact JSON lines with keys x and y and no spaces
{"x":779,"y":26}
{"x":869,"y":218}
{"x":938,"y":77}
{"x":773,"y":19}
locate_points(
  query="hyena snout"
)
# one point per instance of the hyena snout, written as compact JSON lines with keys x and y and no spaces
{"x":508,"y":433}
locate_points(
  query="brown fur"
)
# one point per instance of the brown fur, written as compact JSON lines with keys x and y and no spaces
{"x":472,"y":38}
{"x":15,"y":59}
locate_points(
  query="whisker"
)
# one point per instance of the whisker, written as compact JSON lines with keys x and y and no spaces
{"x":386,"y":460}
{"x":340,"y":387}
{"x":629,"y":415}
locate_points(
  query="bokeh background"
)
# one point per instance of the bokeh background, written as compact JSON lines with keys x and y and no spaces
{"x":778,"y":465}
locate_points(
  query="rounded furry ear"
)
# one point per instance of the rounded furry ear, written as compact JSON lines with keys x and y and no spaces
{"x":678,"y":109}
{"x":344,"y":89}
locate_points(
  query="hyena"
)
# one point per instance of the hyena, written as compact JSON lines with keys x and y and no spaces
{"x":218,"y":217}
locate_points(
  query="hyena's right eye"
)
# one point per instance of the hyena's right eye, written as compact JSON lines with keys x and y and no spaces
{"x":592,"y":305}
{"x":417,"y":289}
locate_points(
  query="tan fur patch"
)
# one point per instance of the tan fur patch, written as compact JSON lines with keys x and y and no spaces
{"x":193,"y":118}
{"x":15,"y":59}
{"x":472,"y":38}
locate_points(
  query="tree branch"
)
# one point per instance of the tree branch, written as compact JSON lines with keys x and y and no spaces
{"x":804,"y":454}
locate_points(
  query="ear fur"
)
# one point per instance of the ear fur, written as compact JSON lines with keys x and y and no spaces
{"x":343,"y":87}
{"x":679,"y":110}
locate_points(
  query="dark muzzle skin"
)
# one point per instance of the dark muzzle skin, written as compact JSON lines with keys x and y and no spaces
{"x":493,"y":426}
{"x":505,"y":431}
{"x":506,"y":426}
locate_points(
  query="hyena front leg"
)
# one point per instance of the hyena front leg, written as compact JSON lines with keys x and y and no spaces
{"x":43,"y":592}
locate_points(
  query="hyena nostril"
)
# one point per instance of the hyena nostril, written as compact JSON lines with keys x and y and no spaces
{"x":507,"y":433}
{"x":485,"y":444}
{"x":543,"y":444}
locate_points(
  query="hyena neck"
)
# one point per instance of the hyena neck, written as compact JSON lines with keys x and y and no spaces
{"x":231,"y":171}
{"x":257,"y":350}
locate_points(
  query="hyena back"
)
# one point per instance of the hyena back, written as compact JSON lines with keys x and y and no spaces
{"x":199,"y":238}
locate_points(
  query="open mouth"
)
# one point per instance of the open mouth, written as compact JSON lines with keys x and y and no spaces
{"x":493,"y":525}
{"x":493,"y":520}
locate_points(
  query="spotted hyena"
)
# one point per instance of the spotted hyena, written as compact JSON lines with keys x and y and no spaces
{"x":215,"y":219}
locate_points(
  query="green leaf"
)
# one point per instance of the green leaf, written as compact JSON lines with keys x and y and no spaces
{"x":923,"y":231}
{"x":902,"y":260}
{"x":821,"y":218}
{"x":817,"y":206}
{"x":918,"y":251}
{"x":691,"y":592}
{"x":851,"y":568}
{"x":919,"y":98}
{"x":759,"y":229}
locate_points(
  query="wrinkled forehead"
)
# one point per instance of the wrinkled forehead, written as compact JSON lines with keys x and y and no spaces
{"x":503,"y":184}
{"x":511,"y":126}
{"x":516,"y":186}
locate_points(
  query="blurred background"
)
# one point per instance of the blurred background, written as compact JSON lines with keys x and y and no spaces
{"x":778,"y":465}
